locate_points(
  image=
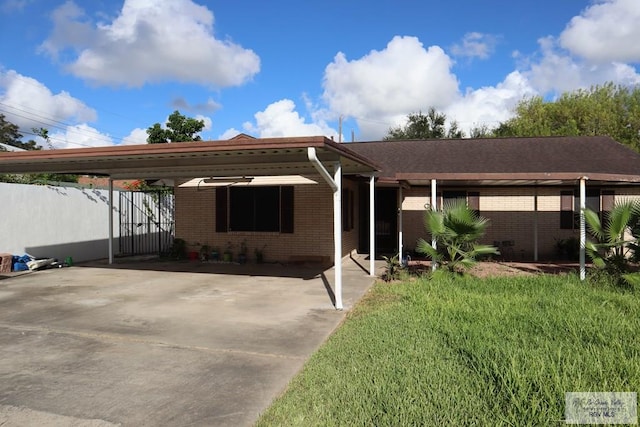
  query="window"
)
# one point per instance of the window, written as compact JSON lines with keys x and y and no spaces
{"x":472,"y":198}
{"x":266,"y":209}
{"x":597,"y":201}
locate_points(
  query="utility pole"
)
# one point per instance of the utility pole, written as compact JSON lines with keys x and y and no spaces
{"x":340,"y":129}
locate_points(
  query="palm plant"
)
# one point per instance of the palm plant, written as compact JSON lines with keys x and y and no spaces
{"x":615,"y":243}
{"x":456,"y":230}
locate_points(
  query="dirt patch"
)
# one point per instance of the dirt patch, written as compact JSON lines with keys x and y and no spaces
{"x":506,"y":269}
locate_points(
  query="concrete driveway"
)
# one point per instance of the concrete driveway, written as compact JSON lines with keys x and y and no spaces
{"x":184,"y":344}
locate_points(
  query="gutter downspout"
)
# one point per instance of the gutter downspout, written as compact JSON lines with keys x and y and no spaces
{"x":535,"y":224}
{"x":372,"y":226}
{"x":434,"y":206}
{"x":400,"y":234}
{"x":335,"y":183}
{"x":110,"y":220}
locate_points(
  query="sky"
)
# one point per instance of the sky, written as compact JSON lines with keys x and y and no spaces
{"x":100,"y":72}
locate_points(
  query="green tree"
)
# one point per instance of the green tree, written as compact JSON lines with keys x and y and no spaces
{"x":456,"y":229}
{"x":10,"y":135}
{"x":601,"y":110}
{"x":481,"y":131}
{"x":615,"y":243}
{"x":425,"y":126}
{"x":178,"y":128}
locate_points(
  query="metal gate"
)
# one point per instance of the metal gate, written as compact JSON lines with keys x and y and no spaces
{"x":146,"y":222}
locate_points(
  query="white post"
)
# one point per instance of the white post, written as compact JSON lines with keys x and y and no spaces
{"x":337,"y":232}
{"x":110,"y":220}
{"x":583,"y":230}
{"x":434,"y":206}
{"x":372,"y":226}
{"x":400,"y":246}
{"x":535,"y":225}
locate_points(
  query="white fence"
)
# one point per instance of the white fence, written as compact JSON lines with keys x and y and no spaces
{"x":56,"y":222}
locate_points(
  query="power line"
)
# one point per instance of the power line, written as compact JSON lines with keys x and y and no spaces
{"x":64,"y":126}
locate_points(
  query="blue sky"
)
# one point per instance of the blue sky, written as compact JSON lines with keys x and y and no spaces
{"x":99,"y":72}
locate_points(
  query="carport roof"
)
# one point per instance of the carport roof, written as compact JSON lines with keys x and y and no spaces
{"x":238,"y":157}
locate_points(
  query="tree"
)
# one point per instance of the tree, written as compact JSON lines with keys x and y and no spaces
{"x":421,"y":126}
{"x":602,"y":110}
{"x":10,"y":135}
{"x":456,"y":229}
{"x":615,"y":241}
{"x":178,"y":128}
{"x":481,"y":131}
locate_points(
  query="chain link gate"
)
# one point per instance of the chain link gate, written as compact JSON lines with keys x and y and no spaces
{"x":146,"y":222}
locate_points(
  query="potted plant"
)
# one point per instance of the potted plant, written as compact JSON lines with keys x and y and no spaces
{"x":178,"y":249}
{"x":227,"y":255}
{"x":204,"y":253}
{"x":561,"y":248}
{"x":259,"y":253}
{"x":242,"y":255}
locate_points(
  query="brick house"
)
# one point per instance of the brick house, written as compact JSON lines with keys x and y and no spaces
{"x":527,"y":187}
{"x":311,"y":198}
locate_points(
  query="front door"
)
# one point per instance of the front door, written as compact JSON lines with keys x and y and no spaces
{"x":386,"y":228}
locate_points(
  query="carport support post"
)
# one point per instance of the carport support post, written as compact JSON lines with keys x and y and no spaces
{"x":335,"y":182}
{"x":583,"y":230}
{"x":372,"y":226}
{"x":399,"y":203}
{"x":535,"y":225}
{"x":110,"y":220}
{"x":434,"y":206}
{"x":337,"y":232}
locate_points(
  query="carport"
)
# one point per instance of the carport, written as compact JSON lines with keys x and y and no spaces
{"x":234,"y":160}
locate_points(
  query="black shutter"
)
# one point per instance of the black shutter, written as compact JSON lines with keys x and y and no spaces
{"x":473,"y":201}
{"x":608,"y":199}
{"x":286,"y":209}
{"x":566,"y":210}
{"x":221,"y":209}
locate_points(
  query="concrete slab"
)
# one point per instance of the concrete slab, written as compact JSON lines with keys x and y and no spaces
{"x":160,"y":344}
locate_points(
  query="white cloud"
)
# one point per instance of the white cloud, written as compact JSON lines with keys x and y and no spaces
{"x":490,"y":105}
{"x":281,"y":119}
{"x":150,"y":41}
{"x":475,"y":45}
{"x":555,"y":71}
{"x":382,"y":87}
{"x":604,"y":32}
{"x":229,"y":133}
{"x":208,"y":123}
{"x":28,"y":103}
{"x":11,"y":6}
{"x":138,"y":136}
{"x":79,"y":136}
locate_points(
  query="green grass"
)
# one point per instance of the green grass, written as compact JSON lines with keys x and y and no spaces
{"x":468,"y":351}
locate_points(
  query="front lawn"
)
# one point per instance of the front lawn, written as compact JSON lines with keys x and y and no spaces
{"x":495,"y":351}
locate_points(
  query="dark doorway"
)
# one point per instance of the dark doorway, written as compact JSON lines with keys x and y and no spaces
{"x":386,"y":220}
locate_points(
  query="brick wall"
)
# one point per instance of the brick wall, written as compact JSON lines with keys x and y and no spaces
{"x":512,"y":215}
{"x":510,"y":210}
{"x":313,"y":225}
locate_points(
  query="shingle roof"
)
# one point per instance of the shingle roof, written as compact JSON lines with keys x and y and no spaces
{"x":503,"y":158}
